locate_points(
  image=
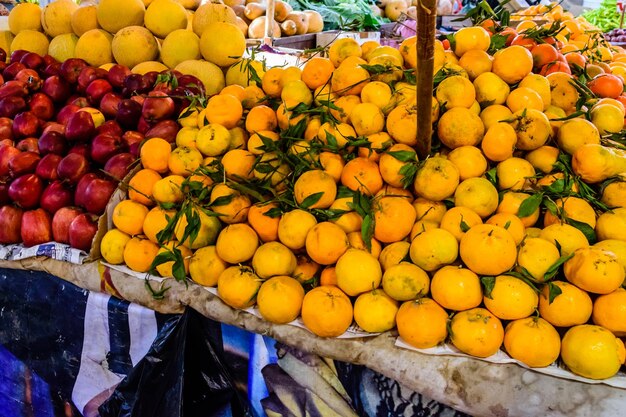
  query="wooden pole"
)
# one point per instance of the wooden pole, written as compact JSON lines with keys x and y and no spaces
{"x":269,"y":23}
{"x":426,"y":23}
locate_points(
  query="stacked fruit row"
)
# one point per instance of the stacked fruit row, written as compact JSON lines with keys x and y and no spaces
{"x":70,"y":133}
{"x":298,"y":190}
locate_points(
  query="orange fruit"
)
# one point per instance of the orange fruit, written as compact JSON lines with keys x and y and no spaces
{"x":612,"y":225}
{"x":609,"y":311}
{"x":205,"y":266}
{"x":273,"y":258}
{"x":375,"y":311}
{"x":238,"y":286}
{"x":328,"y":276}
{"x":239,"y":164}
{"x":422,"y":323}
{"x":536,"y":256}
{"x":469,"y":160}
{"x":294,"y":93}
{"x":306,"y":269}
{"x":367,"y":119}
{"x":572,"y":306}
{"x":315,"y":189}
{"x":591,"y":351}
{"x":155,"y":154}
{"x":405,"y":281}
{"x":476,"y":332}
{"x":342,"y":49}
{"x":112,"y":246}
{"x":401,"y":124}
{"x":224,"y":109}
{"x":325,"y":243}
{"x":532,"y":341}
{"x":488,"y":250}
{"x":470,"y":38}
{"x":429,"y":210}
{"x":155,"y":221}
{"x":140,"y":186}
{"x":511,"y":223}
{"x":128,"y":217}
{"x":510,"y":203}
{"x":511,"y":298}
{"x":355,"y":240}
{"x":327,"y":311}
{"x":280,"y":299}
{"x":458,"y":220}
{"x":543,"y":158}
{"x":264,"y":225}
{"x":594,"y":270}
{"x":393,"y":254}
{"x":569,"y":238}
{"x":433,"y":249}
{"x":166,"y":269}
{"x":456,"y":288}
{"x":606,"y":85}
{"x":437,"y":179}
{"x":207,"y":232}
{"x":393,"y":219}
{"x":478,"y":194}
{"x":261,"y":118}
{"x":349,"y":79}
{"x":317,"y":72}
{"x":237,"y":243}
{"x":363,"y":175}
{"x":169,"y":190}
{"x":256,"y":142}
{"x":514,"y":174}
{"x":573,"y":208}
{"x":455,"y":91}
{"x":184,"y":161}
{"x":460,"y":127}
{"x":139,"y":253}
{"x":234,"y":208}
{"x":512,"y":64}
{"x":293,"y":228}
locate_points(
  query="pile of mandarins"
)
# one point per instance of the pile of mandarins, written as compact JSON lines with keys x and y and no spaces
{"x":298,"y":190}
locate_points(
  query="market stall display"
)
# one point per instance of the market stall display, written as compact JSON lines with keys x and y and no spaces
{"x":480,"y":213}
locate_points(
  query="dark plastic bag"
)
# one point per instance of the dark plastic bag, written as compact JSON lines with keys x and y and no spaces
{"x":182,"y":375}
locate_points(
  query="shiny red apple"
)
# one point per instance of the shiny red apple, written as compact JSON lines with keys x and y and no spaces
{"x":36,"y":227}
{"x":61,"y":223}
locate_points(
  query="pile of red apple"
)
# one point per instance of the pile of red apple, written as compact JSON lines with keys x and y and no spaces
{"x":69,"y":133}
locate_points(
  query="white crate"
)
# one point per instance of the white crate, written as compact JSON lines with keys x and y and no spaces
{"x":326,"y":38}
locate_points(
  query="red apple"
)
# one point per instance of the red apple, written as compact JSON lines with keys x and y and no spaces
{"x":97,"y":89}
{"x":28,"y":145}
{"x":17,"y":55}
{"x":104,"y":146}
{"x":57,"y":88}
{"x":10,"y":225}
{"x":23,"y":163}
{"x":83,"y":149}
{"x":63,"y":116}
{"x":135,"y":84}
{"x":4,"y":191}
{"x":109,"y":104}
{"x":31,"y":78}
{"x":71,"y":68}
{"x":52,"y":142}
{"x":87,"y":75}
{"x":133,"y":141}
{"x":12,"y":105}
{"x":110,"y":127}
{"x":191,"y":83}
{"x":36,"y":227}
{"x":61,"y":223}
{"x":42,"y":106}
{"x":52,"y":126}
{"x":56,"y":195}
{"x":6,"y":128}
{"x":82,"y":231}
{"x":13,"y":88}
{"x":47,"y":167}
{"x":3,"y":55}
{"x":11,"y":70}
{"x":79,"y":193}
{"x":80,"y":127}
{"x":128,"y":114}
{"x":119,"y":165}
{"x":73,"y":167}
{"x":52,"y":69}
{"x":138,"y":99}
{"x":33,"y":61}
{"x":6,"y":154}
{"x":165,"y":129}
{"x":116,"y":75}
{"x":26,"y":191}
{"x":79,"y":101}
{"x":149,"y":78}
{"x":143,"y":125}
{"x":97,"y":195}
{"x":49,"y":59}
{"x":157,"y":106}
{"x":26,"y":124}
